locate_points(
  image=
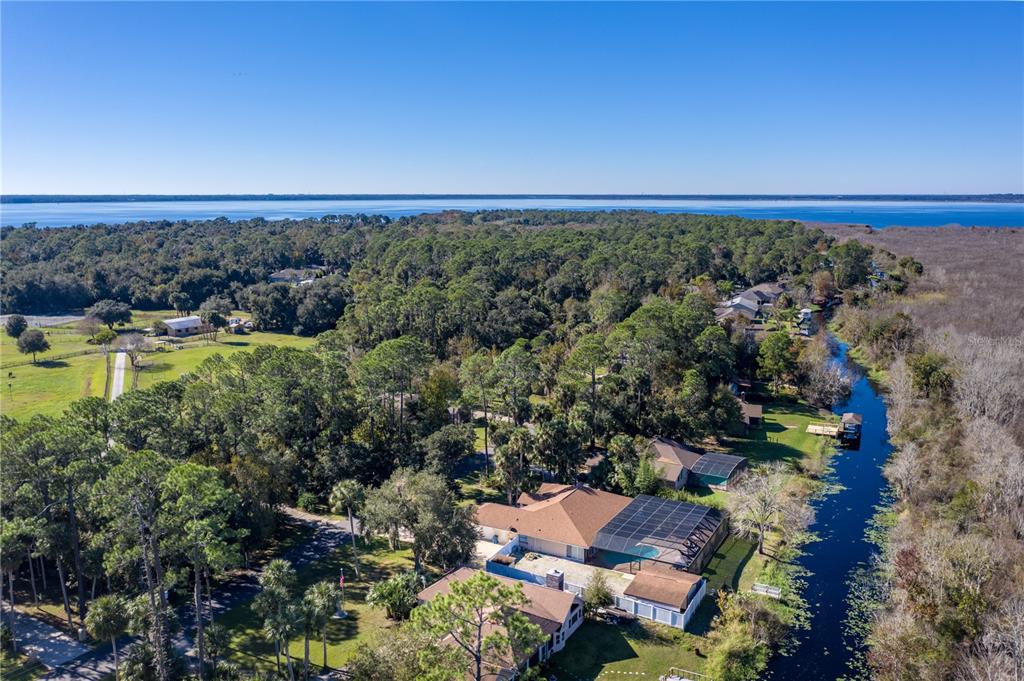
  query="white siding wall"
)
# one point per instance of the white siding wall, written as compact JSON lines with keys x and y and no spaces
{"x":552,"y":548}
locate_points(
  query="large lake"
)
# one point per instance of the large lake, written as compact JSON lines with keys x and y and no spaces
{"x":874,"y":213}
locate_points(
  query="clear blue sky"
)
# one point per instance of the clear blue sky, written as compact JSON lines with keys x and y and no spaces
{"x":481,"y":98}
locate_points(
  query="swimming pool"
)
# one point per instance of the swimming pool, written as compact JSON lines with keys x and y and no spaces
{"x":613,"y":558}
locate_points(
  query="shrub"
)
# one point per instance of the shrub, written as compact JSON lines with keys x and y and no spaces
{"x":307,"y":501}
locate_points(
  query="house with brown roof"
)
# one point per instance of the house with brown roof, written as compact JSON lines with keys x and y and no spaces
{"x":557,"y":520}
{"x":673,"y":461}
{"x":558,"y":614}
{"x":680,"y":466}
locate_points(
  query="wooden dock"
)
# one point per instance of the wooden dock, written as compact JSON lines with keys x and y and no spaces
{"x":829,"y":429}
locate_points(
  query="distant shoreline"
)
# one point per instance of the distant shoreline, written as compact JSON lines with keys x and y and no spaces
{"x":103,"y":198}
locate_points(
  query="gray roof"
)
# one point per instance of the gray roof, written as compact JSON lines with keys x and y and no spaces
{"x":183,"y":322}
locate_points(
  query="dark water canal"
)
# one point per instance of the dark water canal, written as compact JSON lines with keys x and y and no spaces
{"x":828,"y":649}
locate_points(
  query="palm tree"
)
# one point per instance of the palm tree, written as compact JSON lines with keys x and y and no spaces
{"x":348,"y":496}
{"x":106,"y":620}
{"x":321,"y":600}
{"x":276,"y":585}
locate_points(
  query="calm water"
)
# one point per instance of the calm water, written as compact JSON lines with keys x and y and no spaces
{"x":828,"y":648}
{"x":875,"y":213}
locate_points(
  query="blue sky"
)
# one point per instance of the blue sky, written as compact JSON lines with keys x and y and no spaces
{"x":482,"y":98}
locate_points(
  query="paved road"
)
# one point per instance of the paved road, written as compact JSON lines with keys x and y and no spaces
{"x":117,"y":386}
{"x":40,"y":640}
{"x":239,"y":589}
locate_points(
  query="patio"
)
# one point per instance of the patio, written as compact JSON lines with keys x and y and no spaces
{"x":575,"y":573}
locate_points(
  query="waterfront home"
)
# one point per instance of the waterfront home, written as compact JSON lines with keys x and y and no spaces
{"x":585,"y":525}
{"x":680,"y":466}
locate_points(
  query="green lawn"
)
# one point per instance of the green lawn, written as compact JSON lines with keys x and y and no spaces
{"x":473,"y":487}
{"x":251,"y":650}
{"x":783,"y":436}
{"x":613,"y":651}
{"x":650,"y":649}
{"x":169,"y":365}
{"x":51,"y":385}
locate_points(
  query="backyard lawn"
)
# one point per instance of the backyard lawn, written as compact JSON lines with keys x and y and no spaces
{"x":650,"y":649}
{"x":783,"y":436}
{"x":250,"y":648}
{"x":623,"y":651}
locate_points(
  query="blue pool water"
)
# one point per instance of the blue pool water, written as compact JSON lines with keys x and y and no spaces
{"x":616,"y":558}
{"x":875,"y":213}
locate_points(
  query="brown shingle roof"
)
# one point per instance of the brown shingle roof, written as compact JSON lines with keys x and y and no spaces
{"x":672,"y":457}
{"x":672,"y":590}
{"x":548,"y":608}
{"x":561,"y":513}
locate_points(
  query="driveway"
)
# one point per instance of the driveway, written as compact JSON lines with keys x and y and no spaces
{"x":38,"y":639}
{"x":117,"y":384}
{"x":240,"y":588}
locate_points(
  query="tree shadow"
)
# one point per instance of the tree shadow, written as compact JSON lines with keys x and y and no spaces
{"x":591,"y":648}
{"x":52,"y":364}
{"x":158,"y":366}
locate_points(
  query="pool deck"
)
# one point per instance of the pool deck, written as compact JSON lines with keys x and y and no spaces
{"x":575,"y":573}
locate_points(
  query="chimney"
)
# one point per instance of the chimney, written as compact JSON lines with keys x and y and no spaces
{"x":555,"y":579}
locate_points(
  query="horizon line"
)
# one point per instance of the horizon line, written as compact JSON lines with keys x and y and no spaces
{"x":316,"y":196}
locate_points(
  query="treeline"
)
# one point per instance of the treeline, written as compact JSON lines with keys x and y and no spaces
{"x":496,"y":275}
{"x":951,"y":592}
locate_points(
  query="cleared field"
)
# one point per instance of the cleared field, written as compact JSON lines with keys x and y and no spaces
{"x":783,"y":436}
{"x":171,"y":364}
{"x":50,"y":385}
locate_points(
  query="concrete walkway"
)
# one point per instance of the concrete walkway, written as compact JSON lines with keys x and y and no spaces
{"x":38,"y":639}
{"x":117,"y":384}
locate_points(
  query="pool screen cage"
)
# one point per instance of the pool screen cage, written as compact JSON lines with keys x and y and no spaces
{"x":717,"y":465}
{"x":676,"y":529}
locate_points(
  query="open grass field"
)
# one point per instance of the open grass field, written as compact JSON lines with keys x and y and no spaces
{"x":251,"y":650}
{"x":51,"y":385}
{"x":58,"y":379}
{"x":171,"y":364}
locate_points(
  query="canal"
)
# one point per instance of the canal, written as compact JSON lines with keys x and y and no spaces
{"x":828,"y":649}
